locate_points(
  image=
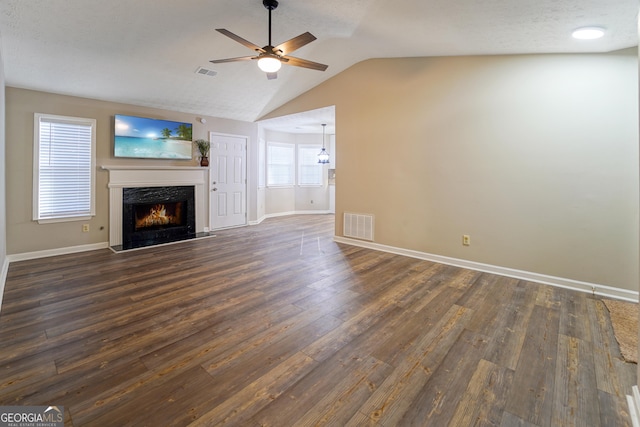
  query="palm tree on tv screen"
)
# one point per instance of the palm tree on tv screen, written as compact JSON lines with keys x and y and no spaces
{"x":166,"y":132}
{"x":184,"y":131}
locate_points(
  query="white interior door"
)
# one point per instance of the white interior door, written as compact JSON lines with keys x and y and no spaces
{"x":228,"y":201}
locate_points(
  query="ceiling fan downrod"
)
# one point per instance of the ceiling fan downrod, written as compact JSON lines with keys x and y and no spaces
{"x":270,"y":5}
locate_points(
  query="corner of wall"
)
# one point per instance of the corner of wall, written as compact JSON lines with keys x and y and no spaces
{"x":3,"y":210}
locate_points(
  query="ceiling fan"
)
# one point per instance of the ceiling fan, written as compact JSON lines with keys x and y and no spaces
{"x":271,"y":58}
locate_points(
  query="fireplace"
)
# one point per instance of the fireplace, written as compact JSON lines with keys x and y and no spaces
{"x":153,"y":215}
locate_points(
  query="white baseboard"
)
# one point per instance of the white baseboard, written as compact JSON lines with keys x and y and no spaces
{"x":59,"y":251}
{"x":324,"y":212}
{"x":258,"y":221}
{"x":592,"y":288}
{"x":275,"y":215}
{"x":633,"y":401}
{"x":279,"y":214}
{"x":3,"y":278}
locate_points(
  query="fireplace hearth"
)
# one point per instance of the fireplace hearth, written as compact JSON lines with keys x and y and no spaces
{"x":155,"y":215}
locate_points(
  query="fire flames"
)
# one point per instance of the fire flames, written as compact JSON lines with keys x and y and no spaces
{"x":157,"y":216}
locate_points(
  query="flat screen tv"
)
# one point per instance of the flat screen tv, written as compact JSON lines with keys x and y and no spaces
{"x":138,"y":137}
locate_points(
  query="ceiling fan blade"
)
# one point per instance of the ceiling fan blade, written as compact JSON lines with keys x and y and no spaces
{"x":240,"y":40}
{"x":272,"y":76}
{"x":295,"y":43}
{"x":240,"y":58}
{"x":291,"y":60}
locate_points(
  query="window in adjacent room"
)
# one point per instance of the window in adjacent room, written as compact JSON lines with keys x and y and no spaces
{"x":280,"y":164}
{"x":309,"y":170}
{"x":64,"y":168}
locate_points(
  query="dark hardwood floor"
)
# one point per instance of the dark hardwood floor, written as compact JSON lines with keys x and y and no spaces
{"x":277,"y":325}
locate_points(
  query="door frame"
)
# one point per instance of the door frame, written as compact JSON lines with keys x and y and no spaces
{"x":212,"y":227}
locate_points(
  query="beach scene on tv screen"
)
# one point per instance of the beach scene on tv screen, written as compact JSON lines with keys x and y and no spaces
{"x":152,"y":138}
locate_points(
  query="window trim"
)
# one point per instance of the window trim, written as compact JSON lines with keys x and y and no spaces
{"x":38,"y":118}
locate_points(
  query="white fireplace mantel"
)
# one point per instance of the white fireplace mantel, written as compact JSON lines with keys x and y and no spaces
{"x":153,"y":176}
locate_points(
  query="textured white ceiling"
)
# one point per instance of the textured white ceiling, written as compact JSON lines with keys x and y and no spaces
{"x":146,"y":52}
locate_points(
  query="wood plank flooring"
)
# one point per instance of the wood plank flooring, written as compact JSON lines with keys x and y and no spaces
{"x":277,"y":325}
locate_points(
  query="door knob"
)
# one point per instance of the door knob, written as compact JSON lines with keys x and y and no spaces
{"x":214,"y":189}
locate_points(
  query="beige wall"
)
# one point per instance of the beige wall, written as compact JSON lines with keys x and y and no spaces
{"x":534,"y":156}
{"x":23,"y":234}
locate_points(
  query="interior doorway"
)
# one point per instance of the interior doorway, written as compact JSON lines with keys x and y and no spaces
{"x":299,"y":131}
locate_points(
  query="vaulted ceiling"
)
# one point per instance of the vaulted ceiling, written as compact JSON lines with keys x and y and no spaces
{"x":147,"y":52}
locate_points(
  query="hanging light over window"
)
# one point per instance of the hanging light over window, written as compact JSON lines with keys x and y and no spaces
{"x":323,"y":156}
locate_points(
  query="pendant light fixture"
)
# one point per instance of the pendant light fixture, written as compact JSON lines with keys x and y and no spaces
{"x":323,"y":156}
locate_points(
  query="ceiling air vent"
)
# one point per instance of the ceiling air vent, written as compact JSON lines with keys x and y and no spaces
{"x":206,"y":72}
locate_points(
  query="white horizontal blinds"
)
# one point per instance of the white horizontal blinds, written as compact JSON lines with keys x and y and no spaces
{"x":309,"y":170}
{"x":65,"y":168}
{"x":280,"y":164}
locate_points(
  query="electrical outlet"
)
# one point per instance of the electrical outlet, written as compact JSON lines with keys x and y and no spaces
{"x":466,"y":240}
{"x":85,"y":228}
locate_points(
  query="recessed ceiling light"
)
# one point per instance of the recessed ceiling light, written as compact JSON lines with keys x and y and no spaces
{"x":588,"y":33}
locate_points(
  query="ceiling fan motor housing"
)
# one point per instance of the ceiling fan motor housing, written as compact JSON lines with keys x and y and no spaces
{"x":270,"y":4}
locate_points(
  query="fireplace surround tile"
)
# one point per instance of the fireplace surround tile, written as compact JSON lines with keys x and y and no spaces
{"x":155,"y":215}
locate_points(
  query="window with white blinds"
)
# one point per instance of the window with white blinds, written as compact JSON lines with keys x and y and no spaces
{"x":280,"y":164}
{"x":309,"y":170}
{"x":64,"y":168}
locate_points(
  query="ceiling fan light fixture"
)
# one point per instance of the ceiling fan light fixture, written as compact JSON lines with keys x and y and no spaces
{"x":588,"y":33}
{"x":269,"y":64}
